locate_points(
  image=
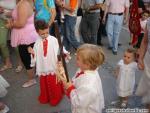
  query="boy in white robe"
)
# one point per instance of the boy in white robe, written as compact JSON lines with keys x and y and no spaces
{"x":44,"y":55}
{"x":85,"y":89}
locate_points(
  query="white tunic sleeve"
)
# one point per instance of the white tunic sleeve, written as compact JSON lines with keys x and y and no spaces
{"x":56,"y":45}
{"x":64,"y":50}
{"x":120,"y":63}
{"x":80,"y":96}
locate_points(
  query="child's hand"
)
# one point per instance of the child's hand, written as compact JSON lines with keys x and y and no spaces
{"x":115,"y":73}
{"x":60,"y":72}
{"x":61,"y":75}
{"x":30,"y":50}
{"x":67,"y":57}
{"x":67,"y":84}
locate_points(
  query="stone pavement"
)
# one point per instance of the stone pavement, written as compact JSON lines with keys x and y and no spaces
{"x":24,"y":100}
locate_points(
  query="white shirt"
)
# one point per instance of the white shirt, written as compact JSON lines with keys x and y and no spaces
{"x":87,"y":97}
{"x":45,"y":65}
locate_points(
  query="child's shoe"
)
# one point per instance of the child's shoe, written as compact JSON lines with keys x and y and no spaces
{"x":124,"y":104}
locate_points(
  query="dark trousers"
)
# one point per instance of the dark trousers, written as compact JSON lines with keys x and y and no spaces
{"x":101,"y":29}
{"x":89,"y":27}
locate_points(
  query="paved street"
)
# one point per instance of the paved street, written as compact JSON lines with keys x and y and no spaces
{"x":24,"y":100}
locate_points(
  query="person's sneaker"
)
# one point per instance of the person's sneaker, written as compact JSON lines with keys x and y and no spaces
{"x":114,"y":52}
{"x":114,"y":103}
{"x":119,"y":44}
{"x":29,"y":83}
{"x":109,"y":48}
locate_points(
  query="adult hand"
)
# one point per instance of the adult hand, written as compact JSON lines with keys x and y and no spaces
{"x":125,"y":21}
{"x":8,"y":13}
{"x":103,"y":7}
{"x":104,"y":20}
{"x":9,"y":23}
{"x":141,"y":64}
{"x":1,"y":10}
{"x":58,"y":2}
{"x":30,"y":50}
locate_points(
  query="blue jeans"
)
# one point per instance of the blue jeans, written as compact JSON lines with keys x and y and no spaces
{"x":69,"y":39}
{"x":113,"y":28}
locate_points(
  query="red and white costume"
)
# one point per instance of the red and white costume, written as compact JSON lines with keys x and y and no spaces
{"x":86,"y":93}
{"x":45,"y":58}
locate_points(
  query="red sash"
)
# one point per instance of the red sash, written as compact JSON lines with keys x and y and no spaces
{"x":45,"y":44}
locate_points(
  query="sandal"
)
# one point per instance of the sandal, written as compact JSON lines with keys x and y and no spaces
{"x":29,"y":83}
{"x":5,"y":67}
{"x":5,"y":109}
{"x":18,"y":69}
{"x":2,"y":106}
{"x":124,"y":104}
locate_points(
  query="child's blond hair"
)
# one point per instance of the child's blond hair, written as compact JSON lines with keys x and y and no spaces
{"x":133,"y":51}
{"x":91,"y":55}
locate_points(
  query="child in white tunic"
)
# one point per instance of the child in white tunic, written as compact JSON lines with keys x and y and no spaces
{"x":44,"y":55}
{"x":85,"y":90}
{"x":126,"y":76}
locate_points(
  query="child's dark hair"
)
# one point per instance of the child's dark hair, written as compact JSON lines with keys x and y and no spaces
{"x":133,"y":51}
{"x":146,"y":12}
{"x":41,"y":25}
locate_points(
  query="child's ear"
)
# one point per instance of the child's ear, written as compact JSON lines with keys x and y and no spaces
{"x":88,"y":66}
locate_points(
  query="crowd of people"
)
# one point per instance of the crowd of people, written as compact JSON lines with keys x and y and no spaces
{"x":30,"y":26}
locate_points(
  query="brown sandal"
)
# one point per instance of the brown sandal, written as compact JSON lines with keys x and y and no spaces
{"x":5,"y":67}
{"x":2,"y":106}
{"x":18,"y":69}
